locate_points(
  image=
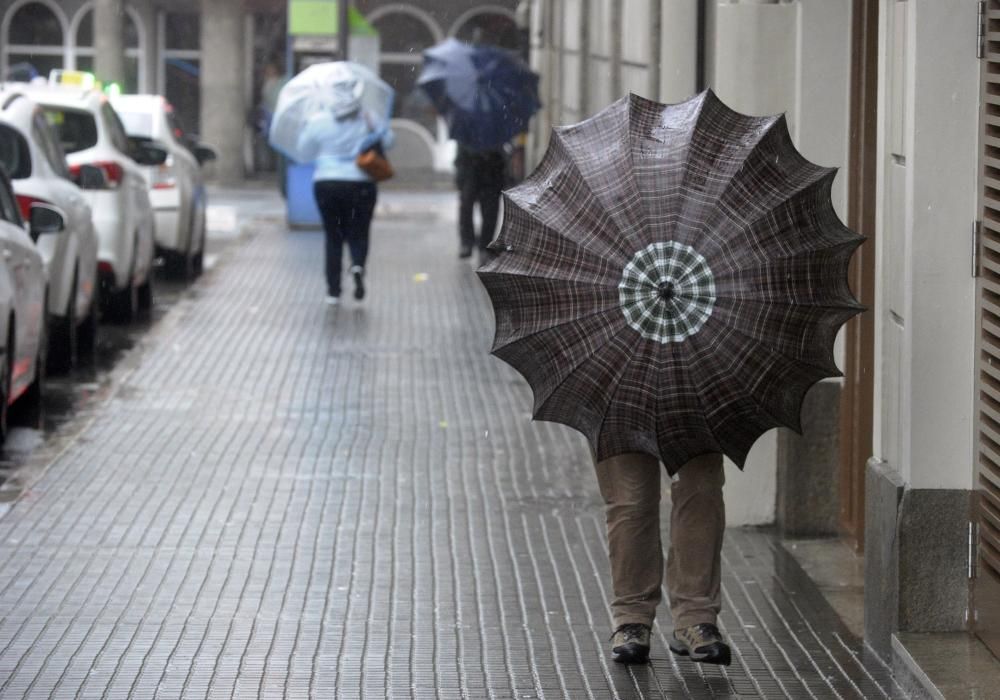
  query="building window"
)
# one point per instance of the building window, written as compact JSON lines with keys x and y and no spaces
{"x":180,"y":66}
{"x":134,"y":48}
{"x":35,"y":35}
{"x":403,"y":35}
{"x":488,"y":27}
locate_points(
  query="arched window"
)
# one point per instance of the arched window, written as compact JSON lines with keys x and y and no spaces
{"x":180,"y":66}
{"x":134,"y":58}
{"x":488,"y":27}
{"x":35,"y":34}
{"x":404,"y":32}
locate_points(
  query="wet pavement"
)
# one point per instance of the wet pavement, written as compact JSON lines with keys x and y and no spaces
{"x":262,"y":496}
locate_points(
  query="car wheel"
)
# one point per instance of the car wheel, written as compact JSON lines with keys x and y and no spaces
{"x":63,"y":339}
{"x":6,"y":380}
{"x":123,"y":304}
{"x":145,"y":293}
{"x":179,"y":265}
{"x":86,"y":335}
{"x":198,"y":261}
{"x":30,"y":404}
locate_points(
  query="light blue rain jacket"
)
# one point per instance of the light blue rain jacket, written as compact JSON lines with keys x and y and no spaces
{"x":339,"y":142}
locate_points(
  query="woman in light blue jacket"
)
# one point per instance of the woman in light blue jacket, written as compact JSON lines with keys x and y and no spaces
{"x":345,"y":194}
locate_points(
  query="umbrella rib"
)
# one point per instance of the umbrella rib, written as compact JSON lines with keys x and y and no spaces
{"x":807,"y":236}
{"x":536,"y":276}
{"x":824,"y":374}
{"x":568,"y":322}
{"x":708,"y":103}
{"x":552,"y":392}
{"x":779,"y":353}
{"x":765,"y":411}
{"x":798,"y":191}
{"x":704,"y":408}
{"x":513,"y":198}
{"x":591,"y":192}
{"x":846,"y":246}
{"x":618,"y":384}
{"x":853,"y":305}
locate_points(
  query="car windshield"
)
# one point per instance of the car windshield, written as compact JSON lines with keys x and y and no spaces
{"x":137,"y":123}
{"x":14,"y":155}
{"x":77,"y":129}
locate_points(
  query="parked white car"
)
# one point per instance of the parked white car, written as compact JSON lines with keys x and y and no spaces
{"x":22,"y":300}
{"x":37,"y":166}
{"x":176,"y":187}
{"x":91,"y":134}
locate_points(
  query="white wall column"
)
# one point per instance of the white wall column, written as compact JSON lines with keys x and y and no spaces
{"x":150,"y":52}
{"x":109,"y":40}
{"x":222,"y":101}
{"x":928,"y":155}
{"x":679,"y":50}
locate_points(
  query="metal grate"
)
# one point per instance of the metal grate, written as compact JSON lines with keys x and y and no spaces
{"x":987,"y":586}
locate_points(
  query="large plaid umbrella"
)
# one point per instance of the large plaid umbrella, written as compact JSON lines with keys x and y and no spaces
{"x":670,"y":280}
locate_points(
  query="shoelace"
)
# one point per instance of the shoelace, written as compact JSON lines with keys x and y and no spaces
{"x":629,"y":632}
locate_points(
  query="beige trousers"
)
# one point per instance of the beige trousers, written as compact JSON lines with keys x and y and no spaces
{"x":630,"y":486}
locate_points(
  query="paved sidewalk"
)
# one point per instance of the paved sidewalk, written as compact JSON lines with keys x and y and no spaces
{"x":286,"y":500}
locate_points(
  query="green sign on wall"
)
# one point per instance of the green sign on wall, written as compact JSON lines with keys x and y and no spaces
{"x":320,"y":18}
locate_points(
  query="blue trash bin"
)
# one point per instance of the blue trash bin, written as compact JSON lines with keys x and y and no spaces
{"x":302,"y":209}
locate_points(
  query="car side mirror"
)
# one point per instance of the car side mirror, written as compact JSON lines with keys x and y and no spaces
{"x":204,"y":154}
{"x":90,"y":177}
{"x":45,"y":218}
{"x":147,"y":152}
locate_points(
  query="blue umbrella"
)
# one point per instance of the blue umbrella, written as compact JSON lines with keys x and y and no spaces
{"x":487,"y":95}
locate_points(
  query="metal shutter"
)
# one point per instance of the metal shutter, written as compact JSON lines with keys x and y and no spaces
{"x":987,"y":584}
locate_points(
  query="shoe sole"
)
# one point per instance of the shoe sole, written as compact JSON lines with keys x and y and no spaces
{"x":359,"y":286}
{"x":627,"y":655}
{"x":723,"y":657}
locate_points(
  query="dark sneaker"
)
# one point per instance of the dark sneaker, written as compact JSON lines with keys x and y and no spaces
{"x":359,"y":281}
{"x":464,"y":251}
{"x":703,"y":643}
{"x":630,"y":644}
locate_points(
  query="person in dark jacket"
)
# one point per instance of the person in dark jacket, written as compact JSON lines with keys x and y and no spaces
{"x":480,"y":178}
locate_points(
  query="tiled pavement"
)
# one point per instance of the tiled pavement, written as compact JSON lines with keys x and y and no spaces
{"x":284,"y":500}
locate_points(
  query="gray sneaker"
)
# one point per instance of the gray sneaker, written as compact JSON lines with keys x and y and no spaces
{"x":630,"y":644}
{"x":703,"y":643}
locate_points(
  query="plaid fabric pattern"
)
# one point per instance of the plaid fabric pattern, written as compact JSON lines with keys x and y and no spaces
{"x":667,"y":292}
{"x":720,"y":205}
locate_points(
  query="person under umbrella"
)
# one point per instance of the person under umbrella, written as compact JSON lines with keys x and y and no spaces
{"x":487,"y":96}
{"x":670,"y":282}
{"x":480,"y":177}
{"x":329,"y":114}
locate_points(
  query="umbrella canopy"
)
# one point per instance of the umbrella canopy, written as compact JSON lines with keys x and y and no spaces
{"x":336,"y":89}
{"x":670,"y":280}
{"x":487,"y":95}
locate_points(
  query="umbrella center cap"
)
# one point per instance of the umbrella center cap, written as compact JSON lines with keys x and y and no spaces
{"x":666,"y":290}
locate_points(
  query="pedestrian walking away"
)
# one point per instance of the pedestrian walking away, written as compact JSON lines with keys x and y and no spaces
{"x":329,"y":115}
{"x":480,"y":177}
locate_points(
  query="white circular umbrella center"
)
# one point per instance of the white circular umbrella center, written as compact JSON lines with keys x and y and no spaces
{"x":667,"y":292}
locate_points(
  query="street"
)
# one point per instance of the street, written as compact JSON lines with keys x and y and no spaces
{"x":263,"y":496}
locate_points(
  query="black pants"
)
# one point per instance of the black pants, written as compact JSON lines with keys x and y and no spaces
{"x":346,"y":208}
{"x":485,"y":191}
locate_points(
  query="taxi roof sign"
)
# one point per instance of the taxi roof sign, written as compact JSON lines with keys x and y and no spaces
{"x":73,"y":78}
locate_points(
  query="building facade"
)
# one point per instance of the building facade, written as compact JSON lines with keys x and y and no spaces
{"x":208,"y":58}
{"x":901,"y":456}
